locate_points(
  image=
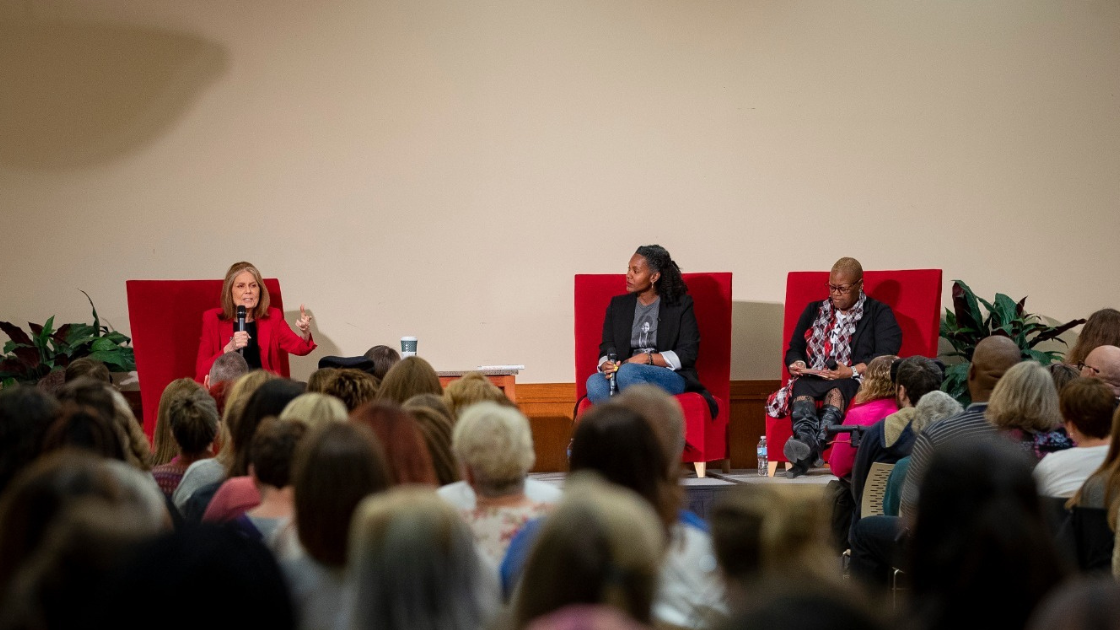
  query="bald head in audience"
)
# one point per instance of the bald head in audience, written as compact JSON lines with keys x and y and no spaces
{"x":993,"y":356}
{"x":1103,"y":362}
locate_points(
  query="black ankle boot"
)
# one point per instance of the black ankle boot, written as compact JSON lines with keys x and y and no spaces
{"x":803,"y":446}
{"x":830,"y":415}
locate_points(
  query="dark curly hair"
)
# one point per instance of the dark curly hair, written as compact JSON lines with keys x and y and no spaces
{"x":670,"y":286}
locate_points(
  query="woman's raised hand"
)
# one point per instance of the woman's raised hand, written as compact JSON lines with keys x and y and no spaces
{"x":304,"y":322}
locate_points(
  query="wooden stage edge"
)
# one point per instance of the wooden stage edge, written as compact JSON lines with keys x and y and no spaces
{"x":549,"y":409}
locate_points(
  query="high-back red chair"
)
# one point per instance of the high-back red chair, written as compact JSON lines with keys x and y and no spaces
{"x":913,"y":294}
{"x":705,"y":437}
{"x":166,"y":321}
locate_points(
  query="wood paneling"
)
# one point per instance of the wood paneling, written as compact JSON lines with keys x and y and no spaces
{"x":549,"y":409}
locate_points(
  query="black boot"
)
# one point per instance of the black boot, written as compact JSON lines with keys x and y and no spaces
{"x":830,"y":416}
{"x":801,"y":449}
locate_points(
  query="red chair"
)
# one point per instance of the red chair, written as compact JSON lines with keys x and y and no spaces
{"x":166,"y":322}
{"x":913,"y":294}
{"x":705,"y":438}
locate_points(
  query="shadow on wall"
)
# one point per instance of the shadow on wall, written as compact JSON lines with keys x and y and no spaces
{"x":756,"y":340}
{"x":77,"y":93}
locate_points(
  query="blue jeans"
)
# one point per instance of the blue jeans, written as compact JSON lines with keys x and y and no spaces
{"x":599,"y":388}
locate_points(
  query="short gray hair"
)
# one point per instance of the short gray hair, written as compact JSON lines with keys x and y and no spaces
{"x":495,"y":442}
{"x":934,"y":406}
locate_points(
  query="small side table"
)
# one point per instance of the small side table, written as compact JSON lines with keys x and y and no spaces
{"x":504,"y":379}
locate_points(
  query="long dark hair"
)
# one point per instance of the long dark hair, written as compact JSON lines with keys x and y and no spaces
{"x":670,"y":286}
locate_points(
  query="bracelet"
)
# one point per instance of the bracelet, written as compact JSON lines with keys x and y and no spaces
{"x":650,"y":361}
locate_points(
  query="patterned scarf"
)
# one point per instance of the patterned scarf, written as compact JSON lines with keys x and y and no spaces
{"x":819,"y":349}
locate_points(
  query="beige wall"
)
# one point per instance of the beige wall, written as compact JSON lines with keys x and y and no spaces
{"x":442,"y":168}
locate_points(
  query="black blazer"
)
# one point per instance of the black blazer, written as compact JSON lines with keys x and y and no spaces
{"x":877,"y":333}
{"x":676,"y":330}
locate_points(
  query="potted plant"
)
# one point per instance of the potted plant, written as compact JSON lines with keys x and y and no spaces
{"x":965,"y":325}
{"x":27,"y":357}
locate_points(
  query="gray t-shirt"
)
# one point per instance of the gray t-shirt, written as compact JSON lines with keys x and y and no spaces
{"x":643,"y":332}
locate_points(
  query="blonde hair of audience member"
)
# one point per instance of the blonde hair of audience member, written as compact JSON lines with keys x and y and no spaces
{"x":1101,"y":329}
{"x":409,"y":377}
{"x":318,"y":380}
{"x":434,"y":423}
{"x":353,"y":387}
{"x":236,"y":400}
{"x":933,"y":406}
{"x":471,"y":388}
{"x":137,"y":449}
{"x":335,"y":467}
{"x":1109,"y":471}
{"x":665,"y":417}
{"x":165,"y":447}
{"x":602,"y":544}
{"x":771,"y":533}
{"x":876,"y":382}
{"x":412,"y":565}
{"x":1025,"y":398}
{"x":315,"y":409}
{"x":495,"y":445}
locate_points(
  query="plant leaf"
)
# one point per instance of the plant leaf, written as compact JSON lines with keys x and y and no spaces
{"x":59,"y":336}
{"x":96,"y":320}
{"x":117,"y":337}
{"x":1054,"y":331}
{"x":16,"y":333}
{"x":101,"y":344}
{"x":964,"y":305}
{"x":111,"y":358}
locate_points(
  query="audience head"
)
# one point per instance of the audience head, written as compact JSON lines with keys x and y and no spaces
{"x":335,"y":467}
{"x":1061,"y":374}
{"x":318,"y":380}
{"x":194,"y":423}
{"x":89,"y":368}
{"x":82,"y":427}
{"x":435,"y":425}
{"x":1087,"y":406}
{"x":165,"y":449}
{"x":1103,"y":362}
{"x":916,"y":377}
{"x":1083,"y":603}
{"x":934,"y":406}
{"x":408,"y":457}
{"x":228,"y":366}
{"x":1101,"y":329}
{"x":315,"y":409}
{"x":137,"y":449}
{"x":353,"y":387}
{"x":25,"y":415}
{"x":412,"y":564}
{"x":229,"y":309}
{"x":981,"y":553}
{"x":495,"y":446}
{"x":409,"y":377}
{"x":602,"y":544}
{"x":237,"y":397}
{"x":808,"y":608}
{"x":269,"y":400}
{"x":665,"y":417}
{"x":384,"y":358}
{"x":272,"y":450}
{"x":620,"y":445}
{"x":469,"y":389}
{"x":990,"y":359}
{"x":876,"y":383}
{"x":1025,"y":399}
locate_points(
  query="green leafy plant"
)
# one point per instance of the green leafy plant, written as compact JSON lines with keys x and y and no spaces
{"x":965,"y":325}
{"x":29,"y":357}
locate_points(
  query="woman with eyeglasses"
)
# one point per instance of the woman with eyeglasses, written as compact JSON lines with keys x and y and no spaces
{"x":833,"y":342}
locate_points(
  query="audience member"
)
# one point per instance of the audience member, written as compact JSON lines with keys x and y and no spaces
{"x":409,"y":377}
{"x":1024,"y":408}
{"x":229,"y":366}
{"x":413,"y":566}
{"x":664,"y":415}
{"x":1079,"y":604}
{"x":353,"y":387}
{"x":875,"y":400}
{"x":383,"y":358}
{"x":1102,"y":488}
{"x":83,"y":427}
{"x":25,"y":415}
{"x":1103,"y":362}
{"x":193,"y":420}
{"x":318,"y":380}
{"x":982,"y":554}
{"x":809,"y":609}
{"x":88,"y":368}
{"x":271,"y":454}
{"x":315,"y":409}
{"x":1086,"y":405}
{"x":408,"y":457}
{"x":471,"y":388}
{"x":435,"y":424}
{"x":108,"y":402}
{"x":601,"y":545}
{"x":1062,"y":374}
{"x":165,"y":448}
{"x":1101,"y":329}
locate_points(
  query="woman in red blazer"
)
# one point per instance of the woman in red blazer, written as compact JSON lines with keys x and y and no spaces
{"x":266,"y":334}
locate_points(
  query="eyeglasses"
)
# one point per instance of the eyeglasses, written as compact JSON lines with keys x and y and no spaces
{"x":1081,"y":367}
{"x":842,"y":288}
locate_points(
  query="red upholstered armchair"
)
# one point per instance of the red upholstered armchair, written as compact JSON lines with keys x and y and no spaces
{"x":913,"y":294}
{"x":705,"y":438}
{"x":166,"y":319}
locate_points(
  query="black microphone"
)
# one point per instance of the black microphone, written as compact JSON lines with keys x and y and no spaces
{"x":612,"y":356}
{"x":241,"y":325}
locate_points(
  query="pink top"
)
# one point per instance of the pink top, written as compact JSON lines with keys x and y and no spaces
{"x":235,"y":497}
{"x":863,"y":414}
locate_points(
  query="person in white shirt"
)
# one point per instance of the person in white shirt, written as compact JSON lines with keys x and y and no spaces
{"x":1087,"y":405}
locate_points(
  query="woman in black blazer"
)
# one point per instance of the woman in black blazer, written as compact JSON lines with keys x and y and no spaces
{"x":650,"y":333}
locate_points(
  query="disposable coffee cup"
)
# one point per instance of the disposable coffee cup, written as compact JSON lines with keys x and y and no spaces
{"x":408,"y":346}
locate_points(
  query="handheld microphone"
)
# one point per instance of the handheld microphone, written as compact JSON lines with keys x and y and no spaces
{"x":612,"y":356}
{"x":241,"y":324}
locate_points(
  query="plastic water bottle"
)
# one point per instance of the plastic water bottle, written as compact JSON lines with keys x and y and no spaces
{"x":763,"y":468}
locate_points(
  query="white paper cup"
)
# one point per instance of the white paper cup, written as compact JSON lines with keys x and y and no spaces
{"x":408,"y":347}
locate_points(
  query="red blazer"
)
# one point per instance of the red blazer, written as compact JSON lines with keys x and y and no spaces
{"x":273,"y":335}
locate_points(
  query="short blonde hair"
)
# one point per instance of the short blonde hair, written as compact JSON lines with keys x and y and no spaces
{"x":1025,"y":398}
{"x":229,"y":309}
{"x":471,"y":388}
{"x":315,"y":409}
{"x":165,"y":446}
{"x":496,"y":444}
